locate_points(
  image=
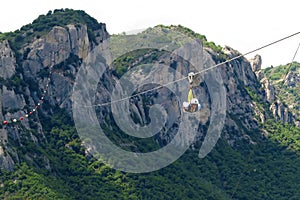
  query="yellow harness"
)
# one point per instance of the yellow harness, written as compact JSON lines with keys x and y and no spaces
{"x":190,"y":95}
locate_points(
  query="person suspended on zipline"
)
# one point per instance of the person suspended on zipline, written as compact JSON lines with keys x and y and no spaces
{"x":192,"y":105}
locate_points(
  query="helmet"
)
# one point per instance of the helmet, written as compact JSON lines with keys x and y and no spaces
{"x":194,"y":101}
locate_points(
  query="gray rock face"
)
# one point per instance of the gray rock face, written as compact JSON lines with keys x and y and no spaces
{"x":79,"y":40}
{"x":7,"y":60}
{"x":292,"y":78}
{"x":11,"y":100}
{"x":63,"y":49}
{"x":281,"y":112}
{"x":269,"y":88}
{"x":256,"y":63}
{"x":55,"y":48}
{"x":237,"y":75}
{"x":6,"y":160}
{"x":256,"y":66}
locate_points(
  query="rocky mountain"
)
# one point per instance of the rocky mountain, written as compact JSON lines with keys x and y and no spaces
{"x":279,"y":109}
{"x":29,"y":66}
{"x":285,"y":80}
{"x":52,"y":69}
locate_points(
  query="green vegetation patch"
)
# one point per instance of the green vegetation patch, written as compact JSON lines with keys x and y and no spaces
{"x":44,"y":23}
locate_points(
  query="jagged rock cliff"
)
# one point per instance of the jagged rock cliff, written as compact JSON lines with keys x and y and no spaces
{"x":280,"y":111}
{"x":292,"y":78}
{"x":267,"y":86}
{"x":8,"y":61}
{"x":62,"y":50}
{"x":235,"y":77}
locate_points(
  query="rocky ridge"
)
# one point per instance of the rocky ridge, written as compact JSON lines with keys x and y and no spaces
{"x":279,"y":110}
{"x":65,"y":48}
{"x":62,"y":48}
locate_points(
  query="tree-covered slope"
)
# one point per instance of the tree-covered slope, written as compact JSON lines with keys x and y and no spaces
{"x":266,"y":170}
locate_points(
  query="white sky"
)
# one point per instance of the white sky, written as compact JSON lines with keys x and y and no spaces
{"x":242,"y":25}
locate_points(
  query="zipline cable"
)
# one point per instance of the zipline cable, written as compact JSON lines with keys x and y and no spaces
{"x":291,"y":63}
{"x":199,"y":72}
{"x":5,"y":122}
{"x":281,"y":84}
